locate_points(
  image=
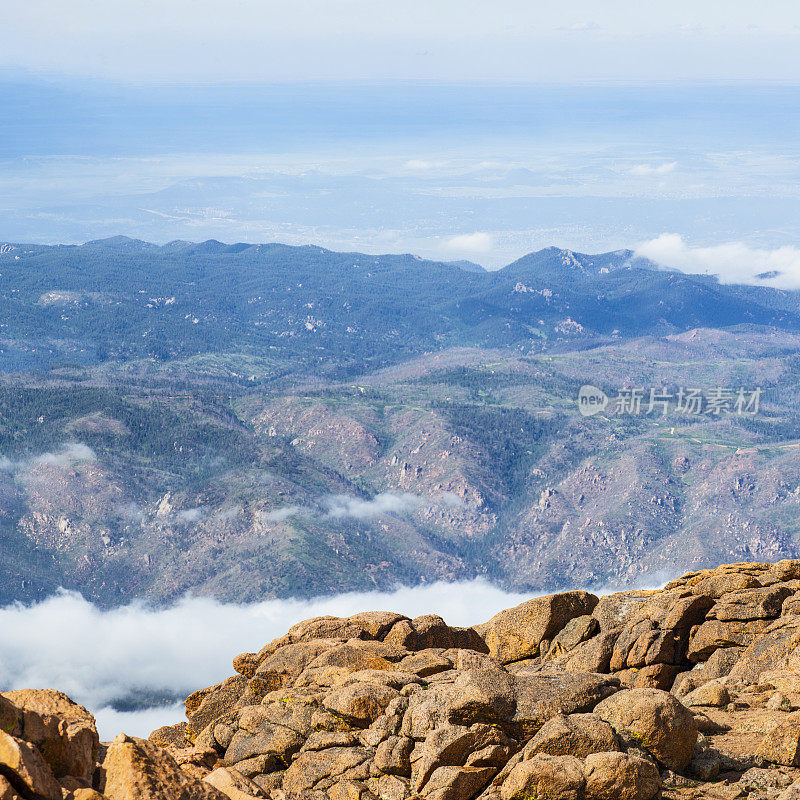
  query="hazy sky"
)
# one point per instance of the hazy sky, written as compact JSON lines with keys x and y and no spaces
{"x":274,"y":40}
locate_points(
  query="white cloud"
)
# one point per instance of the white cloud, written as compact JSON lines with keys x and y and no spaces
{"x":346,"y":506}
{"x":343,"y":505}
{"x":68,"y":455}
{"x":654,"y":169}
{"x":734,"y":262}
{"x":470,"y":243}
{"x":282,"y":514}
{"x":190,"y":515}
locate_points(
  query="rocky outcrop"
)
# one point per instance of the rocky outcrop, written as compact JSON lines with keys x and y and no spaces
{"x":686,"y":692}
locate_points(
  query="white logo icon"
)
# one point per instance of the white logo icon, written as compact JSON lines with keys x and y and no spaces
{"x":591,"y":400}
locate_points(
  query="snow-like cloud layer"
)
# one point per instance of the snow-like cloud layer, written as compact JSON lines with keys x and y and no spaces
{"x":734,"y":262}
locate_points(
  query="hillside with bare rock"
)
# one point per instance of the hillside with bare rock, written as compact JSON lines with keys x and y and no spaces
{"x":690,"y":691}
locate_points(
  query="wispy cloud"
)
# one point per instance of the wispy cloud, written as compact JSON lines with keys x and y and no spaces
{"x":282,"y":514}
{"x":68,"y":454}
{"x":470,"y":243}
{"x":190,"y":515}
{"x":346,"y":506}
{"x":342,"y":505}
{"x":734,"y":262}
{"x":654,"y":169}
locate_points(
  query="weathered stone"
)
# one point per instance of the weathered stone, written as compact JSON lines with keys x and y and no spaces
{"x":283,"y":666}
{"x":233,"y":784}
{"x":573,"y":735}
{"x":713,"y":634}
{"x":654,"y":676}
{"x":618,"y":776}
{"x":593,"y":655}
{"x":720,"y":584}
{"x":325,"y":628}
{"x":170,"y":735}
{"x":10,"y":717}
{"x":721,"y":662}
{"x":577,"y":630}
{"x":215,"y":704}
{"x":769,"y":651}
{"x":337,"y":662}
{"x":751,"y":604}
{"x":7,"y":791}
{"x":63,"y":731}
{"x":425,"y":662}
{"x":545,"y":777}
{"x":360,"y":703}
{"x":457,"y":783}
{"x":392,"y":756}
{"x":782,"y":745}
{"x":614,"y":611}
{"x":656,"y":720}
{"x":26,"y":764}
{"x":539,"y":698}
{"x":517,"y":633}
{"x":246,"y":664}
{"x":712,"y":694}
{"x":451,"y":745}
{"x":275,"y":742}
{"x":313,"y":767}
{"x":135,"y":769}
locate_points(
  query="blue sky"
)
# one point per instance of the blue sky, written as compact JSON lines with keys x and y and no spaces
{"x":442,"y":40}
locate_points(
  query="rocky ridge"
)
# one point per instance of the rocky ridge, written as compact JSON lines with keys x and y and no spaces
{"x":690,"y":691}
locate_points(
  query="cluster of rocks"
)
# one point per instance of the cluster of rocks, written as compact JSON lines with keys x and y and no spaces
{"x":686,"y":692}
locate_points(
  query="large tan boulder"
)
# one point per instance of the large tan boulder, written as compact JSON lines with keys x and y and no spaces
{"x":361,"y":702}
{"x":573,"y":735}
{"x":751,"y":604}
{"x":25,"y":763}
{"x":457,"y":783}
{"x":769,"y":651}
{"x":545,"y":777}
{"x":656,"y":720}
{"x":782,"y":745}
{"x":233,"y":784}
{"x":323,"y":768}
{"x":451,"y":746}
{"x":538,"y":698}
{"x":619,"y":776}
{"x":713,"y":634}
{"x":135,"y":769}
{"x":63,"y":731}
{"x":209,"y":705}
{"x":517,"y":633}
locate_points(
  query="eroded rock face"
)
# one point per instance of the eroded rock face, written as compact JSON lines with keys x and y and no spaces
{"x":562,"y":697}
{"x":517,"y":633}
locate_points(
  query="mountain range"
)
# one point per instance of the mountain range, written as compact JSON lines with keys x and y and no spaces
{"x":248,"y":421}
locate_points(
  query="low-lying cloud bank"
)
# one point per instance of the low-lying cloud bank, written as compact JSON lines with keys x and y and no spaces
{"x":103,"y":657}
{"x":734,"y":262}
{"x":345,"y":506}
